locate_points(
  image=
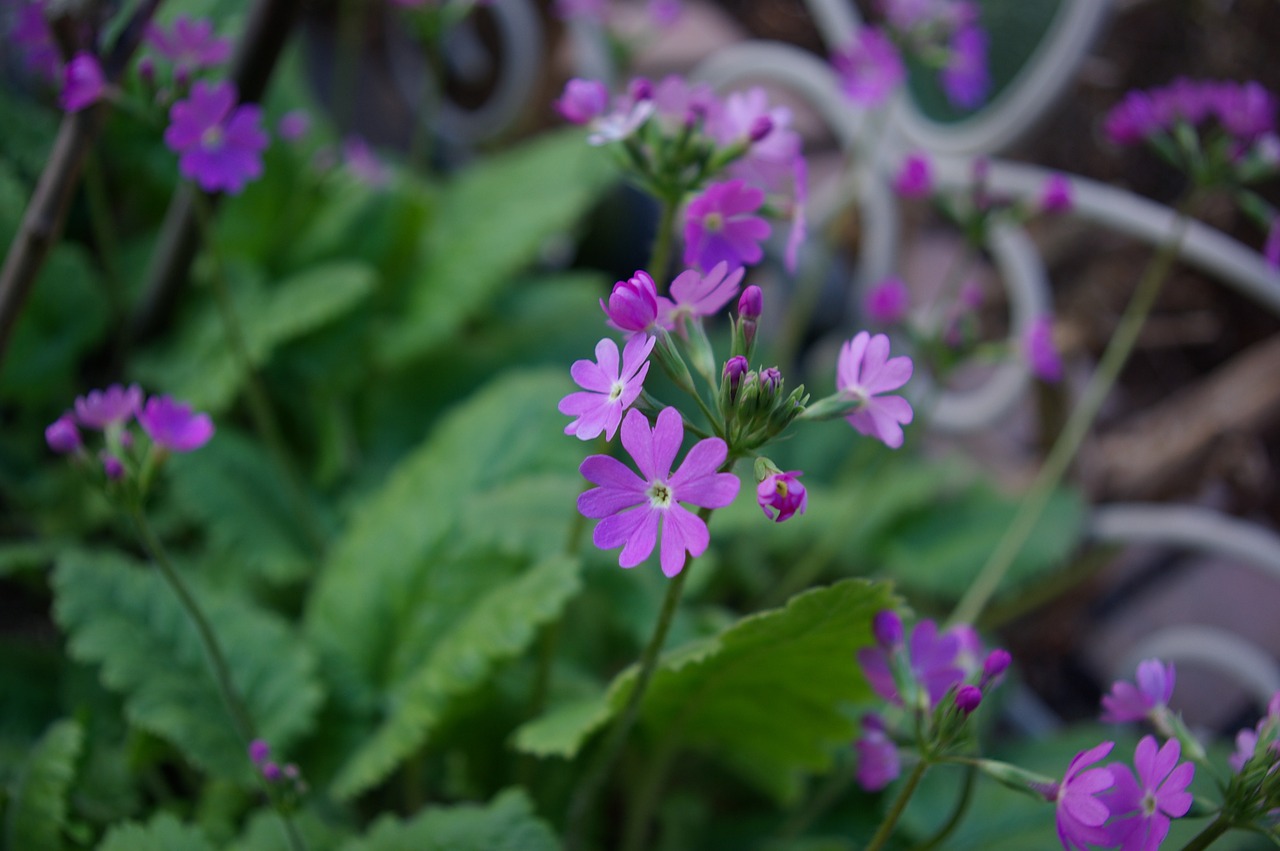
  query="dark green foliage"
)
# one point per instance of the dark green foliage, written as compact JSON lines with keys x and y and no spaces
{"x":37,"y":813}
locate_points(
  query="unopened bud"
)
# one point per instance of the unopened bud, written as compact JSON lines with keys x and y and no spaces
{"x":751,"y":303}
{"x":112,"y":467}
{"x":734,"y":370}
{"x":997,"y":662}
{"x":886,"y":626}
{"x":967,"y":698}
{"x":62,"y":435}
{"x":760,"y":128}
{"x":640,"y":89}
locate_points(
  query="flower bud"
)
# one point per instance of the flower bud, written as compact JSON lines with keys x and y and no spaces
{"x":996,"y":663}
{"x":967,"y":698}
{"x":633,"y":304}
{"x":886,"y":626}
{"x":751,"y":303}
{"x":582,"y":101}
{"x":640,"y":89}
{"x":112,"y":466}
{"x":259,"y":750}
{"x":760,"y":128}
{"x":770,"y":381}
{"x":62,"y":435}
{"x":735,"y":369}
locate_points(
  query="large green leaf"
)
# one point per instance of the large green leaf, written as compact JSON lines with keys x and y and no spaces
{"x":767,"y":695}
{"x":492,"y":222}
{"x":123,"y":616}
{"x":198,"y":365}
{"x":938,"y":550}
{"x":265,"y":833}
{"x":37,"y":813}
{"x":397,"y":580}
{"x":162,"y":833}
{"x":507,"y":824}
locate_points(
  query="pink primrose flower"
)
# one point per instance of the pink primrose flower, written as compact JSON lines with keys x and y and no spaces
{"x":83,"y":83}
{"x":870,"y":67}
{"x":635,"y":511}
{"x":634,"y":304}
{"x":62,"y":435}
{"x":173,"y":425}
{"x":189,"y":44}
{"x":964,"y":78}
{"x":1056,"y":194}
{"x":934,"y":662}
{"x":863,"y":372}
{"x":34,"y":41}
{"x":219,"y":144}
{"x":1143,"y":805}
{"x":1038,"y":348}
{"x":721,"y":226}
{"x":609,"y":387}
{"x":1081,"y":815}
{"x":582,"y":101}
{"x":781,"y":496}
{"x":1129,"y":702}
{"x":102,"y":408}
{"x":697,"y":295}
{"x":769,"y":159}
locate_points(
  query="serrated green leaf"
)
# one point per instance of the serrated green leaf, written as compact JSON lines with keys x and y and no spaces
{"x":938,"y":550}
{"x":563,"y":730}
{"x":500,"y":626}
{"x":38,"y":812}
{"x":237,"y":490}
{"x":506,"y":824}
{"x":766,"y":695}
{"x":122,"y":616}
{"x":492,"y":222}
{"x":386,"y":592}
{"x":264,"y":833}
{"x":162,"y":833}
{"x":198,"y":365}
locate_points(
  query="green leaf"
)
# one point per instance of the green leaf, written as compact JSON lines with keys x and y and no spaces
{"x":507,"y":824}
{"x":395,"y":581}
{"x":264,"y":832}
{"x":38,"y":812}
{"x":162,"y":833}
{"x":766,"y":695}
{"x":499,"y":627}
{"x":122,"y":615}
{"x":198,"y":365}
{"x":239,"y":493}
{"x":492,"y":222}
{"x":939,"y":550}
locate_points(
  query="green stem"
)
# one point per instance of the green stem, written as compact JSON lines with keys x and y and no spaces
{"x":218,"y":661}
{"x":260,"y":409}
{"x":1209,"y":835}
{"x":962,"y":806}
{"x":100,"y":219}
{"x":660,"y":259}
{"x":636,"y":831}
{"x":899,"y":804}
{"x":831,"y":790}
{"x":1073,"y":433}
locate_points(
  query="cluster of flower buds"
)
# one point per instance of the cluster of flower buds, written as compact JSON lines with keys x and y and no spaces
{"x":168,"y":425}
{"x":1253,"y":795}
{"x":937,"y":679}
{"x":737,"y":157}
{"x":285,"y":782}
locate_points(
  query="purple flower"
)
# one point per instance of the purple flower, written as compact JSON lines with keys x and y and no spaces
{"x":878,"y":764}
{"x":173,"y":425}
{"x":582,"y":101}
{"x":294,"y":124}
{"x":62,"y":435}
{"x":82,"y":82}
{"x":664,"y":13}
{"x":34,"y":41}
{"x":968,"y":698}
{"x":863,"y":372}
{"x":888,"y":301}
{"x":1144,"y":805}
{"x":259,"y":750}
{"x":964,"y":79}
{"x":769,"y":159}
{"x":103,"y":408}
{"x":933,"y":661}
{"x":1127,"y":702}
{"x":1246,"y":744}
{"x":1266,"y":729}
{"x":1056,"y":195}
{"x":914,"y":178}
{"x":189,"y":44}
{"x":721,"y":226}
{"x":697,"y":295}
{"x":112,"y":467}
{"x":1037,"y":346}
{"x":1131,"y":120}
{"x":633,"y":510}
{"x":1246,"y":110}
{"x":1081,"y":815}
{"x":869,"y":68}
{"x":633,"y":304}
{"x":219,"y":144}
{"x":782,"y":493}
{"x":609,"y":388}
{"x":886,"y":626}
{"x":751,"y":303}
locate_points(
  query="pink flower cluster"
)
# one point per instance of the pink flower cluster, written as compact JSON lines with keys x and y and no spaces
{"x":1245,"y":111}
{"x":172,"y":426}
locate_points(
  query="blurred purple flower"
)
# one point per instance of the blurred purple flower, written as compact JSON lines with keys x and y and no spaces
{"x":582,"y":101}
{"x":1041,"y":354}
{"x":869,"y":68}
{"x":799,"y":221}
{"x":1144,"y":805}
{"x":665,"y":13}
{"x":887,"y":302}
{"x":770,"y":158}
{"x":34,"y":40}
{"x":782,"y":493}
{"x":1056,"y":194}
{"x":294,"y":124}
{"x":680,"y":103}
{"x":62,"y":435}
{"x":363,"y":164}
{"x":878,"y":763}
{"x":1127,"y":702}
{"x":173,"y":425}
{"x":863,"y":372}
{"x":189,"y":44}
{"x":112,"y":467}
{"x":103,"y":408}
{"x":964,"y":78}
{"x":721,"y":226}
{"x":1081,"y":815}
{"x":932,"y":658}
{"x":968,"y":698}
{"x":609,"y":387}
{"x":219,"y":144}
{"x":697,"y":295}
{"x":83,"y":83}
{"x":633,"y":509}
{"x":914,"y":178}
